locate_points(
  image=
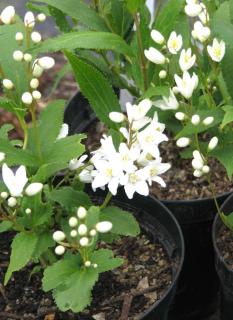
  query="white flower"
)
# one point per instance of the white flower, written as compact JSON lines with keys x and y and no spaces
{"x":86,"y":175}
{"x":213,"y":143}
{"x":60,"y":250}
{"x":15,"y":182}
{"x":183,"y":142}
{"x":186,"y":60}
{"x":200,"y":32}
{"x":217,"y":50}
{"x":157,"y":36}
{"x":33,"y":189}
{"x":34,"y":83}
{"x":84,"y":241}
{"x":41,"y":17}
{"x":75,"y":164}
{"x":106,"y":150}
{"x":36,"y":95}
{"x":162,"y":74}
{"x":116,"y":117}
{"x":104,"y":226}
{"x":63,"y":132}
{"x":59,"y":236}
{"x":12,"y":202}
{"x":127,"y":157}
{"x":82,"y":229}
{"x":208,"y":121}
{"x":18,"y":55}
{"x":187,"y":84}
{"x":155,"y":56}
{"x":136,"y":182}
{"x":8,"y":84}
{"x":27,"y":57}
{"x":8,"y":14}
{"x":156,"y":168}
{"x":36,"y":37}
{"x":73,"y":222}
{"x":204,"y":15}
{"x":195,"y":119}
{"x":193,"y":9}
{"x":19,"y":36}
{"x":168,"y":103}
{"x":4,"y":195}
{"x":81,"y":213}
{"x":27,"y":98}
{"x":174,"y":43}
{"x":180,"y":116}
{"x":29,"y":20}
{"x":137,"y":112}
{"x":46,"y":62}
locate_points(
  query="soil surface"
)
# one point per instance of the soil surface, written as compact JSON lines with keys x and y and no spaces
{"x":225,"y":245}
{"x":128,"y":290}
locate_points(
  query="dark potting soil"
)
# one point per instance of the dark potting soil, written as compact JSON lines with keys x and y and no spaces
{"x":181,"y":184}
{"x":225,"y":245}
{"x":129,"y":290}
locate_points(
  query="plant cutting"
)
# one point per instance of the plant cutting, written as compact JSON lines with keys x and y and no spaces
{"x":74,"y":237}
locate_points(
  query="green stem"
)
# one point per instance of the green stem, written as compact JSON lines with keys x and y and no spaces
{"x":106,"y":201}
{"x":36,"y":132}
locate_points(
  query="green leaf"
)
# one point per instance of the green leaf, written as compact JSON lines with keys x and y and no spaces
{"x":123,"y":222}
{"x":48,"y":170}
{"x":7,"y":104}
{"x":70,"y":198}
{"x":60,"y":19}
{"x":5,"y":226}
{"x":23,"y":247}
{"x":45,"y":241}
{"x":157,"y":91}
{"x":4,"y":130}
{"x":228,"y":220}
{"x":80,"y":11}
{"x":225,"y":155}
{"x":105,"y":260}
{"x":228,"y":117}
{"x":96,"y":89}
{"x":133,"y":5}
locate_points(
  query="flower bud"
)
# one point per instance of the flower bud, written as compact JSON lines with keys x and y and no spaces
{"x":4,"y":195}
{"x":33,"y":189}
{"x":18,"y":55}
{"x":7,"y":15}
{"x":41,"y":17}
{"x":27,"y":57}
{"x":162,"y":74}
{"x":93,"y":233}
{"x":46,"y":62}
{"x":12,"y":202}
{"x":206,"y":169}
{"x":195,"y":119}
{"x":116,"y":117}
{"x":183,"y":142}
{"x":60,"y":250}
{"x":36,"y":95}
{"x":36,"y":37}
{"x":197,"y":164}
{"x":73,"y":233}
{"x":73,"y":222}
{"x":175,"y":90}
{"x":59,"y":236}
{"x":207,"y":121}
{"x":37,"y":70}
{"x":87,"y":264}
{"x":104,"y":226}
{"x":82,"y":229}
{"x":19,"y":36}
{"x":2,"y":156}
{"x":84,"y":241}
{"x":157,"y":37}
{"x":27,"y":98}
{"x":34,"y":83}
{"x":180,"y":116}
{"x":7,"y":84}
{"x":29,"y":20}
{"x":95,"y":265}
{"x":213,"y":143}
{"x":81,"y":213}
{"x":155,"y":56}
{"x":197,"y":173}
{"x":28,"y":211}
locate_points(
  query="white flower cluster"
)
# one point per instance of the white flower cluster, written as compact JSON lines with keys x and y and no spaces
{"x":15,"y":183}
{"x":80,"y":233}
{"x":137,"y":162}
{"x":36,"y":67}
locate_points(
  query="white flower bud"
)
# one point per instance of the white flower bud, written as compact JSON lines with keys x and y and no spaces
{"x":197,"y":164}
{"x":157,"y":37}
{"x":59,"y":236}
{"x":206,"y":169}
{"x":60,"y":250}
{"x":36,"y":37}
{"x":116,"y":117}
{"x":2,"y":156}
{"x":18,"y":55}
{"x":73,"y":222}
{"x":104,"y":226}
{"x":214,"y":88}
{"x":175,"y":90}
{"x":213,"y":143}
{"x":7,"y":84}
{"x":37,"y":70}
{"x":36,"y":95}
{"x":183,"y":142}
{"x":27,"y":57}
{"x":81,"y":213}
{"x":207,"y":121}
{"x":29,"y":20}
{"x":41,"y":17}
{"x":87,"y":264}
{"x":155,"y":56}
{"x":28,"y":211}
{"x":12,"y":202}
{"x":84,"y":241}
{"x":19,"y":36}
{"x":34,"y":83}
{"x":46,"y":62}
{"x":197,"y":173}
{"x":95,"y":265}
{"x":82,"y":229}
{"x":195,"y":119}
{"x":93,"y":233}
{"x":27,"y":98}
{"x":4,"y":195}
{"x":180,"y":116}
{"x":162,"y":74}
{"x":33,"y":189}
{"x":73,"y":233}
{"x":8,"y":14}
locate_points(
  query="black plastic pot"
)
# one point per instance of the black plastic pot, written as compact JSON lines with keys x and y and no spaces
{"x":157,"y":221}
{"x":224,"y":272}
{"x":198,"y":286}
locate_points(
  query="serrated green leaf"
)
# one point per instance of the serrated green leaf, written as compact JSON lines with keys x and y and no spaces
{"x":225,"y":155}
{"x":96,"y":89}
{"x":60,"y":19}
{"x":70,"y":198}
{"x":48,"y":170}
{"x":123,"y":222}
{"x":4,"y":130}
{"x":45,"y":241}
{"x":92,"y":216}
{"x":228,"y":117}
{"x":5,"y":226}
{"x":105,"y":260}
{"x":23,"y":247}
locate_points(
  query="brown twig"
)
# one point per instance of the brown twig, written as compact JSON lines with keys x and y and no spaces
{"x":2,"y":291}
{"x":126,"y":306}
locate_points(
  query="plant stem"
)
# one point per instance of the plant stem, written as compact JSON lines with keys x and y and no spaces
{"x":36,"y":132}
{"x":106,"y":201}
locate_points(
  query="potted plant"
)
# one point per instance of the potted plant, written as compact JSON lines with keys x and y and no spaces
{"x":82,"y":241}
